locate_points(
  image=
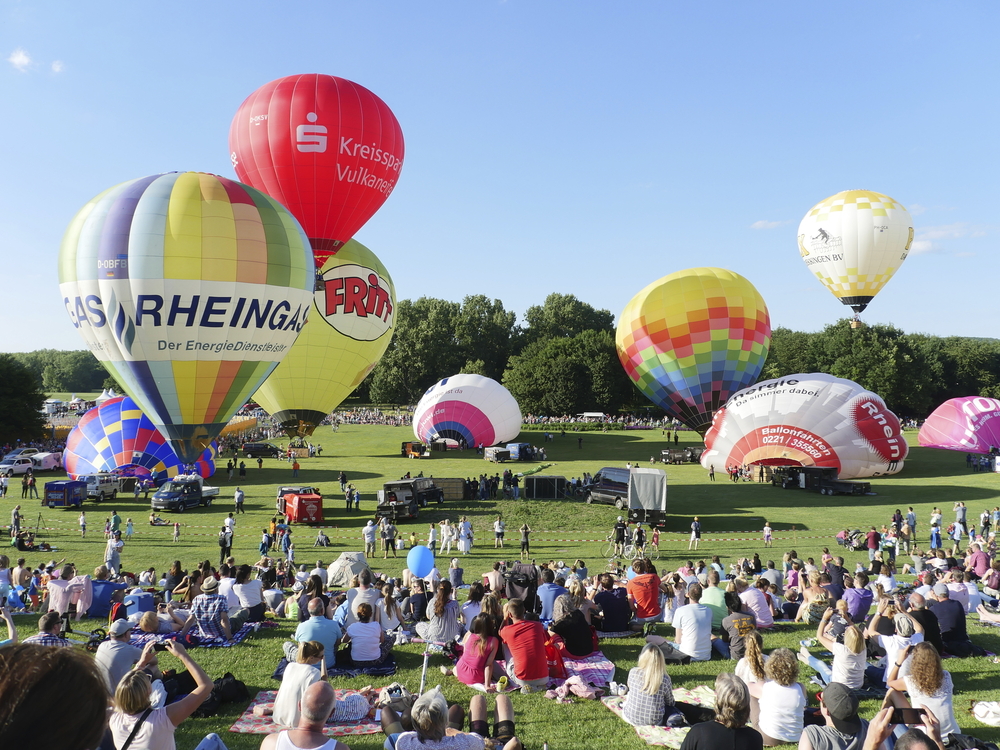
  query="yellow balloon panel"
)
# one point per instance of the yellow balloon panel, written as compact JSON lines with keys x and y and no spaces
{"x":854,"y":242}
{"x":349,"y":329}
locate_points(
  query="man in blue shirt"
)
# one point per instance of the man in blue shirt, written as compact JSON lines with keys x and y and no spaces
{"x":548,"y":592}
{"x":317,"y":628}
{"x":100,"y":603}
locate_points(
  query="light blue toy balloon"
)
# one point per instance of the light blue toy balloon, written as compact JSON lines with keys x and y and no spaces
{"x":420,"y":561}
{"x":630,"y":574}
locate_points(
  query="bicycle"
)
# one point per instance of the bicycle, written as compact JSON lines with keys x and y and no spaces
{"x":609,"y":547}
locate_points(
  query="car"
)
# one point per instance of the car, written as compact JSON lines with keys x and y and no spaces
{"x":609,"y":487}
{"x":253,"y":450}
{"x":21,"y":453}
{"x":13,"y":466}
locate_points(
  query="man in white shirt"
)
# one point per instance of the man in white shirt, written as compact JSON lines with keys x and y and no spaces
{"x":693,"y":623}
{"x":230,"y":522}
{"x":320,"y":571}
{"x":499,"y":527}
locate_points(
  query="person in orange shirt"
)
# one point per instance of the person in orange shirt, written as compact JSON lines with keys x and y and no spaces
{"x":644,"y":594}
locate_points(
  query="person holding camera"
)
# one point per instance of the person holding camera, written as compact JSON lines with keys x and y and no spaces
{"x":920,"y":672}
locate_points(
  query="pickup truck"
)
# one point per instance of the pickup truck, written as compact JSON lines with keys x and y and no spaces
{"x":182,"y":492}
{"x":404,"y":498}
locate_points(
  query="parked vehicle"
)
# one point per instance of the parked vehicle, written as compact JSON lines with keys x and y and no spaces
{"x":821,"y":479}
{"x":253,"y":450}
{"x":405,"y":497}
{"x":182,"y":492}
{"x":15,"y":466}
{"x":413,"y":449}
{"x":101,"y":486}
{"x":300,"y":504}
{"x":47,"y":461}
{"x":497,"y":454}
{"x":647,"y":497}
{"x":21,"y":453}
{"x":608,"y":487}
{"x":65,"y":493}
{"x":521,"y":451}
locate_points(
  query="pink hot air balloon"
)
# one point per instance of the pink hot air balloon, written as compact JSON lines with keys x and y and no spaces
{"x":969,"y":423}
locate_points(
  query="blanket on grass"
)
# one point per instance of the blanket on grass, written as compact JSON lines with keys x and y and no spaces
{"x":666,"y":736}
{"x":140,"y":639}
{"x":618,"y":634}
{"x":386,"y":668}
{"x":250,"y":724}
{"x":596,"y":670}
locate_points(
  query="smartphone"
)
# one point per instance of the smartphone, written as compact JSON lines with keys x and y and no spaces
{"x":159,"y":647}
{"x":907,"y":716}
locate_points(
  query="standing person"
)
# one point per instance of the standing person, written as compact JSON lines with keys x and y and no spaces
{"x":357,"y":499}
{"x":116,"y":522}
{"x":260,"y":462}
{"x":238,"y":497}
{"x":295,"y":467}
{"x":525,"y":541}
{"x":265,"y":542}
{"x":225,"y":544}
{"x":343,"y":482}
{"x":432,"y":537}
{"x":112,"y":553}
{"x":368,"y":536}
{"x":349,"y":495}
{"x":911,"y":519}
{"x":229,"y":468}
{"x":695,"y":534}
{"x":961,"y":513}
{"x":767,"y":534}
{"x":390,"y":539}
{"x":619,"y":531}
{"x":499,"y":527}
{"x":83,"y":524}
{"x":243,"y":469}
{"x":129,"y":529}
{"x":711,"y":473}
{"x":177,"y":531}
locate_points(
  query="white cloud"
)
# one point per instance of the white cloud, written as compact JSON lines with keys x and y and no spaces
{"x":945,"y":231}
{"x":919,"y":247}
{"x":20,"y":59}
{"x":57,"y":66}
{"x":916,"y":209}
{"x":762,"y":224}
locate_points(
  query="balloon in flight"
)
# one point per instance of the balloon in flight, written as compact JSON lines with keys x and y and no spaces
{"x":469,"y":409}
{"x":117,"y":436}
{"x":970,"y":424}
{"x":854,"y":242}
{"x":189,"y":288}
{"x":691,"y":339}
{"x":349,"y":329}
{"x":325,"y":147}
{"x":807,"y":420}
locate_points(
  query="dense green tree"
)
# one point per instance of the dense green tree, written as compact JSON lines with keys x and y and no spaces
{"x":56,"y":370}
{"x":791,"y":352}
{"x":21,"y":400}
{"x":483,"y":331}
{"x":563,"y":316}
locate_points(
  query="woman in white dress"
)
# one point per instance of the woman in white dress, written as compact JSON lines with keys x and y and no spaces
{"x":465,"y":536}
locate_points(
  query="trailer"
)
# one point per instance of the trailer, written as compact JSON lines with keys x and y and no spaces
{"x":497,"y":454}
{"x":821,"y":479}
{"x":65,"y":494}
{"x":647,"y":497}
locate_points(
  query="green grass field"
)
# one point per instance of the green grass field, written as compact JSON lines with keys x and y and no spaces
{"x":732,"y":517}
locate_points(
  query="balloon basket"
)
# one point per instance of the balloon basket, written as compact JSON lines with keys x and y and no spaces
{"x":857,"y":324}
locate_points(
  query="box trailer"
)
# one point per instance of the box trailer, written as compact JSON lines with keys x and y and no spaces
{"x":647,"y":497}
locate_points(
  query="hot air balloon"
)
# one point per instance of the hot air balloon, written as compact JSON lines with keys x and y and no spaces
{"x":691,"y":339}
{"x":325,"y":147}
{"x":807,"y":420}
{"x":854,"y":242}
{"x":970,"y":424}
{"x":117,"y":436}
{"x":189,"y":288}
{"x":349,"y":328}
{"x":472,"y":410}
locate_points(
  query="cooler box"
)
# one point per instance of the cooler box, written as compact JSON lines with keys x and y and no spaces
{"x":135,"y":603}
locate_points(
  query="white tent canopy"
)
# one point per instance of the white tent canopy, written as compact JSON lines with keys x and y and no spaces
{"x":342,"y":570}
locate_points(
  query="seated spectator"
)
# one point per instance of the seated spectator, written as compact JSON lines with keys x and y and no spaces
{"x":100,"y":603}
{"x":951,"y":620}
{"x":524,"y":648}
{"x":644,"y":593}
{"x":455,"y":574}
{"x":364,"y":592}
{"x":415,"y":605}
{"x":650,"y":692}
{"x":729,"y":729}
{"x":133,"y":706}
{"x":493,"y":581}
{"x":859,"y":598}
{"x":781,"y":700}
{"x":369,"y":646}
{"x":578,"y":594}
{"x":849,"y":656}
{"x":480,"y":647}
{"x":755,"y":603}
{"x":166,"y":620}
{"x":309,"y":667}
{"x":116,"y":656}
{"x":388,"y":611}
{"x":569,"y":624}
{"x":735,"y":627}
{"x":473,"y":602}
{"x":614,"y":606}
{"x":751,"y":668}
{"x":907,"y":632}
{"x":318,"y":628}
{"x":34,"y":679}
{"x":548,"y":592}
{"x":250,"y":593}
{"x":693,"y":625}
{"x":318,"y":703}
{"x":48,"y":632}
{"x":443,"y":625}
{"x":210,"y":612}
{"x":929,"y":685}
{"x":843,"y":728}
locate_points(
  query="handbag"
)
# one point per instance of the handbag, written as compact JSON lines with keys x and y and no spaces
{"x":553,"y":656}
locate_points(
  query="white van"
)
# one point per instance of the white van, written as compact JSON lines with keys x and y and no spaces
{"x":101,"y":486}
{"x":47,"y":461}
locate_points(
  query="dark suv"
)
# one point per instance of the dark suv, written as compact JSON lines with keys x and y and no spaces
{"x":252,"y":450}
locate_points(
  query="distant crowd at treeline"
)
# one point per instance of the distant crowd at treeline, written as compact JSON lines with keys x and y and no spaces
{"x":562,"y":359}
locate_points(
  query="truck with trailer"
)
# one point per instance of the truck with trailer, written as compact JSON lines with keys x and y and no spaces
{"x":300,"y":504}
{"x":182,"y":492}
{"x":403,"y":498}
{"x":821,"y":479}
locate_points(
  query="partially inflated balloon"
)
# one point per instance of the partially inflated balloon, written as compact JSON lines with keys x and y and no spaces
{"x":691,"y":339}
{"x":189,"y":288}
{"x":349,"y":329}
{"x":970,"y":424}
{"x":854,"y":242}
{"x":807,"y":420}
{"x":325,"y":147}
{"x":469,"y":409}
{"x":117,"y":436}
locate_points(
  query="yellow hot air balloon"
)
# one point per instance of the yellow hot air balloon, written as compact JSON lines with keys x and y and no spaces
{"x":349,"y":329}
{"x":854,"y":242}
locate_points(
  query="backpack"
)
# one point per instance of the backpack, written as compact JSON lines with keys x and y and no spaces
{"x":988,"y":712}
{"x":118,"y":612}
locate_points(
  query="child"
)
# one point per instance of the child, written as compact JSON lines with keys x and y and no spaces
{"x":413,"y":539}
{"x":129,"y":529}
{"x":291,"y":553}
{"x":107,"y":528}
{"x":767,"y":534}
{"x":656,"y":539}
{"x":177,"y":531}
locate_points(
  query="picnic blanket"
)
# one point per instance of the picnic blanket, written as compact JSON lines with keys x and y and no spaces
{"x":140,"y":639}
{"x":250,"y":724}
{"x":618,"y":634}
{"x":595,"y":669}
{"x":386,"y":668}
{"x":666,"y":736}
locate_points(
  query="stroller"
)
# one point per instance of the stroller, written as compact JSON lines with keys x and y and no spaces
{"x":853,"y":540}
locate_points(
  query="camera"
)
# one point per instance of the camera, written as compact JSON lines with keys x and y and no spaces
{"x":907,"y":716}
{"x":159,"y":647}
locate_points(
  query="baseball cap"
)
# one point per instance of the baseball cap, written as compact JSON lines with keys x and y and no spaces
{"x":120,"y":627}
{"x":941,"y":589}
{"x":842,"y":705}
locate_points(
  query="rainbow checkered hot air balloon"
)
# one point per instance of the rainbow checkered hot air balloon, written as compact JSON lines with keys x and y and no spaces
{"x":692,"y":339}
{"x":117,"y":436}
{"x":189,"y":288}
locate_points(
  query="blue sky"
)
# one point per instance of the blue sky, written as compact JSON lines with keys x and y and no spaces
{"x":576,"y":147}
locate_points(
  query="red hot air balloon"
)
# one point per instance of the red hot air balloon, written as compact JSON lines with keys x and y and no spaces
{"x":326,"y":148}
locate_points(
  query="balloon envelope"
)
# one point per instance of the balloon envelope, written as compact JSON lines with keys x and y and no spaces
{"x":420,"y":561}
{"x":970,"y":424}
{"x":693,"y":338}
{"x":854,"y":242}
{"x":469,"y":409}
{"x":117,"y":436}
{"x":807,"y":420}
{"x":325,"y":147}
{"x":189,"y":288}
{"x":350,"y":327}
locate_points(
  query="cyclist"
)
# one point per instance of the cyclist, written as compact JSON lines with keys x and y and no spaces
{"x":619,"y":536}
{"x":639,"y":540}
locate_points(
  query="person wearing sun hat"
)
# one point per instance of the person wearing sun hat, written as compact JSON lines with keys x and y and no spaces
{"x":843,"y":729}
{"x":210,"y":612}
